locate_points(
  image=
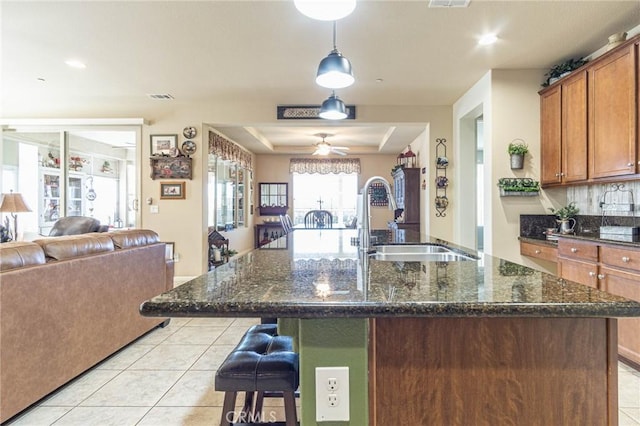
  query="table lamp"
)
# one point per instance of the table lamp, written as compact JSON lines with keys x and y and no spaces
{"x":13,"y":203}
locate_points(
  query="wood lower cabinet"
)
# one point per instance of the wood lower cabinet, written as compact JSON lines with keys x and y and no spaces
{"x":577,"y":261}
{"x":611,"y":268}
{"x":619,"y":274}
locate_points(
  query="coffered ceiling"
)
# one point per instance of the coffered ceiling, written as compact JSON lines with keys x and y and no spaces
{"x":265,"y":53}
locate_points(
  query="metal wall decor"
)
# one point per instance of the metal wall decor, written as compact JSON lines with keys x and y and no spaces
{"x":308,"y":112}
{"x":442,"y":182}
{"x":378,"y":195}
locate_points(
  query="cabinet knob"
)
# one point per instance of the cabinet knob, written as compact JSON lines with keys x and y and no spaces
{"x":561,"y":174}
{"x":625,"y":259}
{"x":538,"y":251}
{"x":601,"y":276}
{"x":574,"y":250}
{"x":557,"y":174}
{"x":629,"y":164}
{"x":592,"y":274}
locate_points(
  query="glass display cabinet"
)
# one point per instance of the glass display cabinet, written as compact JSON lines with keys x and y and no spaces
{"x":227,"y":194}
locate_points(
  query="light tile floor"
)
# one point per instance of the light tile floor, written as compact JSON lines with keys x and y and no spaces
{"x":166,"y":378}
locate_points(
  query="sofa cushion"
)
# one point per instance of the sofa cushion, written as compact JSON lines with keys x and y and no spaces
{"x":66,"y":247}
{"x":133,"y":238}
{"x":74,"y":225}
{"x":17,"y":254}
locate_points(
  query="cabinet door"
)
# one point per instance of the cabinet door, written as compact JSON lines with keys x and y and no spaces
{"x":550,"y":136}
{"x":612,"y":121}
{"x":574,"y":128}
{"x":625,"y":284}
{"x":581,"y":272}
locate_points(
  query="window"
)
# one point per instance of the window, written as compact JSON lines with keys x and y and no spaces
{"x":335,"y":192}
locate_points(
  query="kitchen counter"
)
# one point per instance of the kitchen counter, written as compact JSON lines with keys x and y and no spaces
{"x":463,"y":342}
{"x":320,"y":275}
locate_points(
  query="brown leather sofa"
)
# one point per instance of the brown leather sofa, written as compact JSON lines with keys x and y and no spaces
{"x":67,"y":303}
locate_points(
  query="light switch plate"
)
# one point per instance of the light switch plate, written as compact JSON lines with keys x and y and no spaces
{"x":153,"y":209}
{"x":332,"y":394}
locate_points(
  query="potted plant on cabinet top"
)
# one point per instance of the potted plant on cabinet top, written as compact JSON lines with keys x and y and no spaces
{"x":517,"y":150}
{"x":566,"y":217}
{"x":558,"y":71}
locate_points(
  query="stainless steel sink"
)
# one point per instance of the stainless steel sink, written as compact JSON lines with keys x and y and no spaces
{"x":411,"y":249}
{"x":417,"y":253}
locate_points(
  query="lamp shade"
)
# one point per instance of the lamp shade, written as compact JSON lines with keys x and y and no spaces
{"x":325,"y":10}
{"x":334,"y":71}
{"x":13,"y":203}
{"x":333,"y":108}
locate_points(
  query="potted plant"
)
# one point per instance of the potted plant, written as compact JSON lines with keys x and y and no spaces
{"x":566,"y":217}
{"x":517,"y":150}
{"x":522,"y":187}
{"x":558,"y":71}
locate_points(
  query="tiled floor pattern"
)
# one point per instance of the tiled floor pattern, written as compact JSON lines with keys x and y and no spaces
{"x":166,"y":379}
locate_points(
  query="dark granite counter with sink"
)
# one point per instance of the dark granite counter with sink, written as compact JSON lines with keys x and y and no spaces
{"x":321,"y":275}
{"x":496,"y":342}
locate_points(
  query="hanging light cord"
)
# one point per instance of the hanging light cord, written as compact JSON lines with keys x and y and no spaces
{"x":334,"y":35}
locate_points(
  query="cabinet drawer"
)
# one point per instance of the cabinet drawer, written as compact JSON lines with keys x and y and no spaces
{"x":575,"y":249}
{"x":539,"y":251}
{"x":620,"y":257}
{"x":581,"y":272}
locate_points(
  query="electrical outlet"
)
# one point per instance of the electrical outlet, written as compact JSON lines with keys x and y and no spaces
{"x":332,"y":394}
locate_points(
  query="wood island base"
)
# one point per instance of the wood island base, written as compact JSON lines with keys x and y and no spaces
{"x":493,"y":371}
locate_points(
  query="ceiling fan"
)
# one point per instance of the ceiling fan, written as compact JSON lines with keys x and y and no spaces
{"x":325,"y":148}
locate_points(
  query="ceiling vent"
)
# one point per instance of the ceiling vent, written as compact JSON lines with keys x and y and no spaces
{"x":161,"y":96}
{"x":308,"y":112}
{"x":449,"y":3}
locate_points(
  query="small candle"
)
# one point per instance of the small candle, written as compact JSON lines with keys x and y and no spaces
{"x":216,"y":255}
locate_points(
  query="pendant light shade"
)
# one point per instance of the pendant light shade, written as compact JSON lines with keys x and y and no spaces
{"x":334,"y":71}
{"x":333,"y":108}
{"x":325,"y":10}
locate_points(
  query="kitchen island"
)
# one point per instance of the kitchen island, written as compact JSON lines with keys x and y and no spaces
{"x":427,"y":343}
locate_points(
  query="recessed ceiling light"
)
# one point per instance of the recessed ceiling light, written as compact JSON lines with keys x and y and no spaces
{"x":73,"y":63}
{"x":487,"y":39}
{"x":325,"y":10}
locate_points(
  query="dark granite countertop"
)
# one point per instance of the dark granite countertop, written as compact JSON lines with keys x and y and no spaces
{"x":320,"y":274}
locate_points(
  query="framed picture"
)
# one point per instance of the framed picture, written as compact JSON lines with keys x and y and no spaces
{"x":172,"y":190}
{"x":168,"y":251}
{"x":170,"y":167}
{"x":164,"y":144}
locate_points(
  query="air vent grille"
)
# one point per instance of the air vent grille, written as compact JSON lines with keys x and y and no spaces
{"x":449,"y":3}
{"x":161,"y":96}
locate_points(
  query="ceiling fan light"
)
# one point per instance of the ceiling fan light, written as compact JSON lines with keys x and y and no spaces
{"x":323,"y":149}
{"x":333,"y":109}
{"x":334,"y":71}
{"x":325,"y":10}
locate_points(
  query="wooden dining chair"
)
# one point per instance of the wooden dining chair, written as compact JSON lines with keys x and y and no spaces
{"x":318,"y":219}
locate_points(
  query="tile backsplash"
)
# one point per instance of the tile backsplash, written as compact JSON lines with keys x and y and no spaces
{"x":588,"y":197}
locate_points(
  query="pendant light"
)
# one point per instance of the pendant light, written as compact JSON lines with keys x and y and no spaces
{"x":325,"y":10}
{"x":334,"y":71}
{"x":333,"y":108}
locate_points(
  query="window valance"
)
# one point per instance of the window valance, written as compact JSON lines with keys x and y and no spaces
{"x":227,"y":150}
{"x":324,"y":165}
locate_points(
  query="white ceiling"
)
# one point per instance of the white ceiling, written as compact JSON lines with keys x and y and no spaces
{"x":265,"y":52}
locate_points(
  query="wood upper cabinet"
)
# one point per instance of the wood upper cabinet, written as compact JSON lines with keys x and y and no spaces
{"x":588,"y":121}
{"x":612,"y":115}
{"x":550,"y":136}
{"x":563,"y":130}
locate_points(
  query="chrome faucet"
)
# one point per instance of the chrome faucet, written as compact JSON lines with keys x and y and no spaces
{"x":364,"y":228}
